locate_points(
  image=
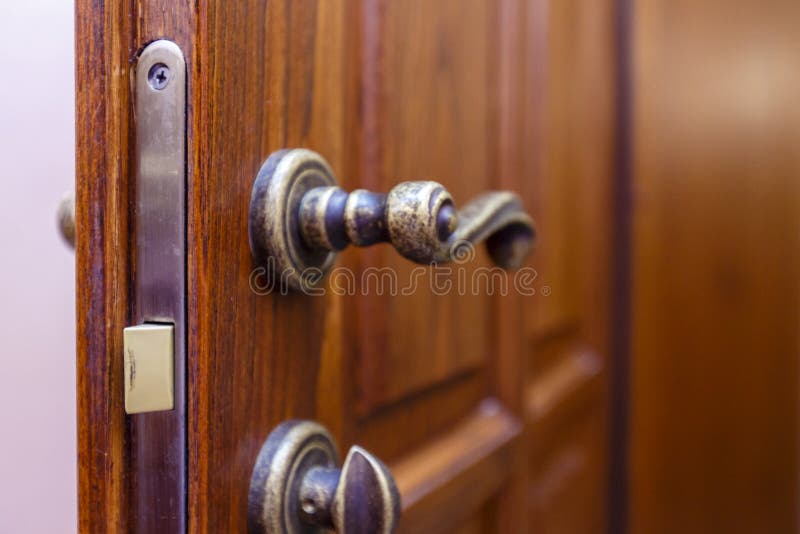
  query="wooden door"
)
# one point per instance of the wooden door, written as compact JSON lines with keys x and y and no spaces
{"x":716,"y":298}
{"x":480,"y":433}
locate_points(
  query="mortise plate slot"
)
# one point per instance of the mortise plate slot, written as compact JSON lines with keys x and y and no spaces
{"x":155,"y":359}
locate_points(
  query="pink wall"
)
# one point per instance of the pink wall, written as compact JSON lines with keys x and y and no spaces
{"x":37,"y":287}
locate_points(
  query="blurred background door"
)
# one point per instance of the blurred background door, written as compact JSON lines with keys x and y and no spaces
{"x":715,"y":286}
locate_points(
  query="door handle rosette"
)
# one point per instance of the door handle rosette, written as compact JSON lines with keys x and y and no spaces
{"x":299,"y":220}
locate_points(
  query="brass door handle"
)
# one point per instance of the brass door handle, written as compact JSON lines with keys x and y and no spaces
{"x":299,"y":219}
{"x":296,"y":486}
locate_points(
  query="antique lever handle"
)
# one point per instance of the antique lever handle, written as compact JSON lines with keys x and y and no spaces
{"x":299,"y":219}
{"x":297,"y":488}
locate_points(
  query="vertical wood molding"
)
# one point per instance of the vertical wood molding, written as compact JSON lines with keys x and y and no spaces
{"x":619,"y":365}
{"x":102,"y":266}
{"x":508,"y":364}
{"x":572,"y":161}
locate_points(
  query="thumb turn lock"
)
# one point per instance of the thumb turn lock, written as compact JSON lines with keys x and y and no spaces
{"x":297,"y":487}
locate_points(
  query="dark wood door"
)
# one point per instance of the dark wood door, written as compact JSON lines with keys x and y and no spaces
{"x":714,"y":381}
{"x":383,"y":91}
{"x":488,"y":408}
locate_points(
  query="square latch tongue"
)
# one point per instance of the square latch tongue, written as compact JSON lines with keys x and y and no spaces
{"x":149,"y":363}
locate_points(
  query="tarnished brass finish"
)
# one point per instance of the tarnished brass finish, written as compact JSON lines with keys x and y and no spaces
{"x":273,"y":225}
{"x":299,"y":219}
{"x":296,"y":487}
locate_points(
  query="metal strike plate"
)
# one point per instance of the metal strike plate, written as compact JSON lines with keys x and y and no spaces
{"x":160,"y":120}
{"x":149,"y":356}
{"x":158,"y":428}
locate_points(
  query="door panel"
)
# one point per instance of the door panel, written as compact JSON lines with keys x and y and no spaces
{"x":459,"y":472}
{"x":404,"y":348}
{"x":385,"y":92}
{"x":429,"y":94}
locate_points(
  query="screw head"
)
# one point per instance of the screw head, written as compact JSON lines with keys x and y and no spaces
{"x":159,"y":76}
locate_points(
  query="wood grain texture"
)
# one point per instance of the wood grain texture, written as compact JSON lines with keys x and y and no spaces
{"x":102,"y":272}
{"x":385,"y":92}
{"x":457,"y":68}
{"x":108,"y":37}
{"x":716,"y":253}
{"x":561,"y":384}
{"x":457,"y":472}
{"x":569,"y":328}
{"x":567,"y":473}
{"x":521,"y":30}
{"x":428,"y":77}
{"x":361,"y":84}
{"x":276,"y":81}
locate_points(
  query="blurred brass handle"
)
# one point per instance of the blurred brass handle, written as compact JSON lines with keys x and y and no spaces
{"x":299,"y":219}
{"x":296,"y":486}
{"x":66,"y":218}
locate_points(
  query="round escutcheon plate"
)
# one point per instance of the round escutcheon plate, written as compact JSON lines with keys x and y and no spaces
{"x":291,"y":450}
{"x":273,"y":227}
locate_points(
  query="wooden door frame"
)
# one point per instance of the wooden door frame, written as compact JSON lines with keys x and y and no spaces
{"x":108,"y":38}
{"x":621,"y":276}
